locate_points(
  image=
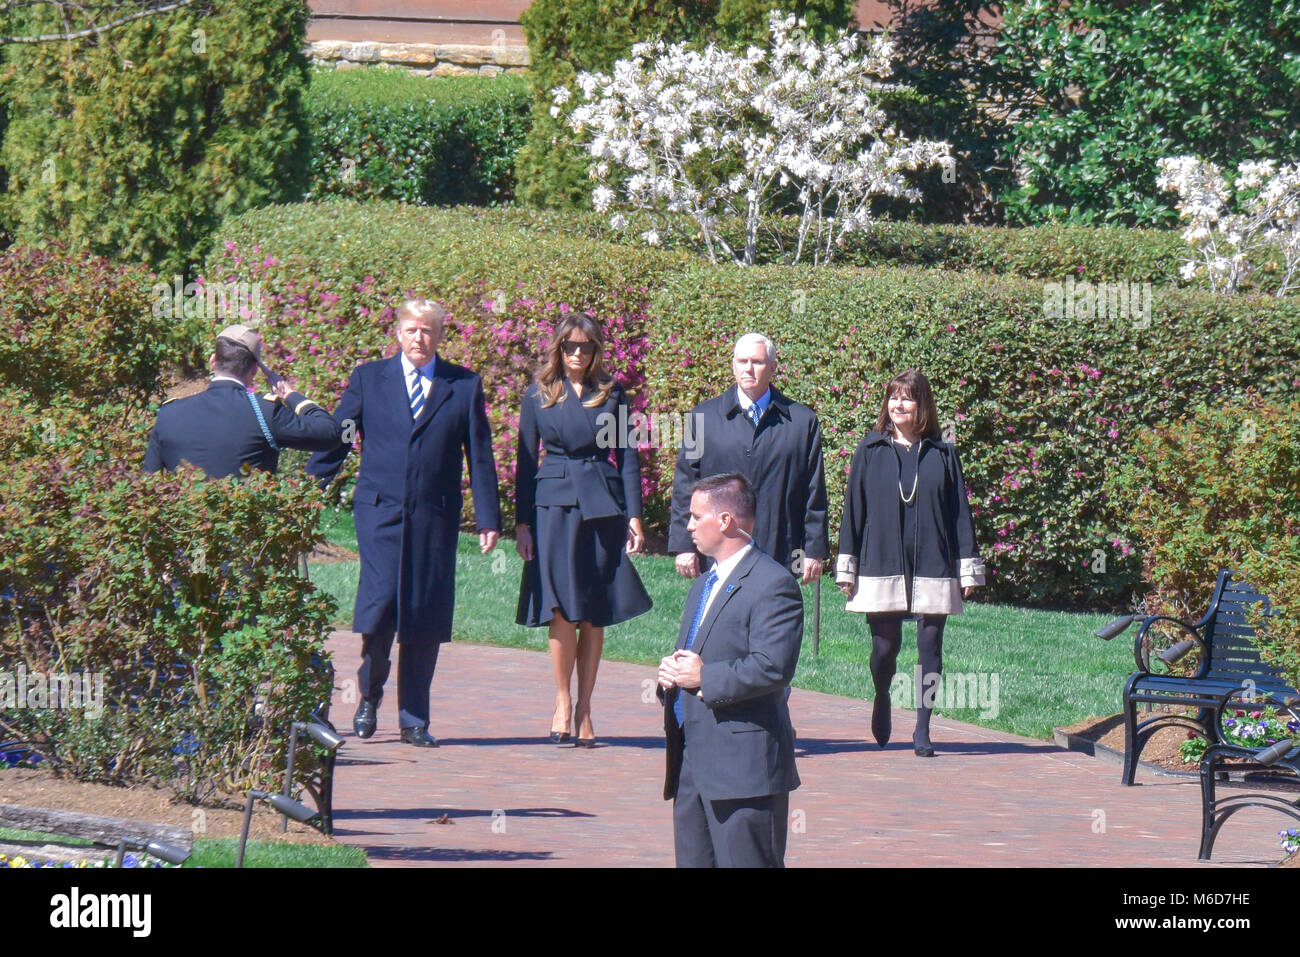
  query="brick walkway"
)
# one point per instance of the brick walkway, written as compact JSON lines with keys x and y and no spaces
{"x":509,"y":796}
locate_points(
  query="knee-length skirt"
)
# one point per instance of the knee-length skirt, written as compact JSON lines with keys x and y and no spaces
{"x":580,"y":568}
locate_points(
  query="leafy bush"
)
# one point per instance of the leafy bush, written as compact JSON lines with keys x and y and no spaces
{"x":1041,"y":407}
{"x":1105,"y":88}
{"x":180,"y":594}
{"x":380,"y":133}
{"x":78,"y":326}
{"x":1219,"y":487}
{"x":566,"y":37}
{"x":137,"y":147}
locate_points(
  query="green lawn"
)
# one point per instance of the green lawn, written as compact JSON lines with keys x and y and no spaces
{"x":1049,"y":668}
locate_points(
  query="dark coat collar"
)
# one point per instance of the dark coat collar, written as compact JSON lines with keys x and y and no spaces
{"x":227,"y":384}
{"x":731,"y":402}
{"x":879,"y":438}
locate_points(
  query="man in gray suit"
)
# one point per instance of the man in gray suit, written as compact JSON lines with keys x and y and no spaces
{"x":730,"y":741}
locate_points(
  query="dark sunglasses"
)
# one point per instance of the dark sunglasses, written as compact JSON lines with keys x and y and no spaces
{"x":573,"y":348}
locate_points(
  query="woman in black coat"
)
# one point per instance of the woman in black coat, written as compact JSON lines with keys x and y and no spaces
{"x":907,"y":542}
{"x":584,"y":511}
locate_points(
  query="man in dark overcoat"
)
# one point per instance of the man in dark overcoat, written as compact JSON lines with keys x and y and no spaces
{"x":776,"y":443}
{"x":418,"y":418}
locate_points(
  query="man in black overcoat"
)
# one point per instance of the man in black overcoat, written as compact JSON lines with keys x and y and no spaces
{"x":418,"y":418}
{"x":776,"y":443}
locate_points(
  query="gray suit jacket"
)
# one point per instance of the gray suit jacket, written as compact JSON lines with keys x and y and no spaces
{"x":738,"y":729}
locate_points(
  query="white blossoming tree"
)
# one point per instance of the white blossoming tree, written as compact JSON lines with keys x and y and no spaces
{"x":1225,"y":244}
{"x":698,"y":137}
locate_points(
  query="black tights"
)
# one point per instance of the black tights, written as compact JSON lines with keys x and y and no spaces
{"x":886,"y":639}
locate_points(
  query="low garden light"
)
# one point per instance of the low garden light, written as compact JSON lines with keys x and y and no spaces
{"x":1276,"y":752}
{"x":159,"y":849}
{"x":285,"y":805}
{"x":322,"y":734}
{"x":1175,"y":653}
{"x":1116,"y":627}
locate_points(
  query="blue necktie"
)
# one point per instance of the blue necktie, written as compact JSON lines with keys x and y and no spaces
{"x":417,"y":395}
{"x":710,"y":580}
{"x":755,"y":413}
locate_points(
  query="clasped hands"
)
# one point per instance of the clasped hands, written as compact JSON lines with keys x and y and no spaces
{"x":681,"y":669}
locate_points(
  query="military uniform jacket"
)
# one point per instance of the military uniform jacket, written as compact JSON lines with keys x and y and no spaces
{"x":218,"y":431}
{"x":782,"y":459}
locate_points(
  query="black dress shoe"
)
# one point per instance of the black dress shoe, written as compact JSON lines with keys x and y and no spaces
{"x":418,"y":737}
{"x":363,"y":722}
{"x":923,"y":750}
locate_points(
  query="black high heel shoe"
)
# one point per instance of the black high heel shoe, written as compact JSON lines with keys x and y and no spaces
{"x":559,"y":737}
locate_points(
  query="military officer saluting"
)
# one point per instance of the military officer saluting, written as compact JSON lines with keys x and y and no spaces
{"x":229,"y":429}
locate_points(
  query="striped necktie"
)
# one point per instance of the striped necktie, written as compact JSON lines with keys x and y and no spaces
{"x":754,"y":414}
{"x":710,"y":580}
{"x":417,"y":394}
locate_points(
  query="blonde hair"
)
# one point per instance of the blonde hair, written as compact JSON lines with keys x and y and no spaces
{"x":419,"y":309}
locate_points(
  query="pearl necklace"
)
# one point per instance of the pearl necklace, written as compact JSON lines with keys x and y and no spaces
{"x":907,"y":499}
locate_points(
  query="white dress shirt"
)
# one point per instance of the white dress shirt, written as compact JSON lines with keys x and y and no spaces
{"x":426,"y":374}
{"x":724,"y":570}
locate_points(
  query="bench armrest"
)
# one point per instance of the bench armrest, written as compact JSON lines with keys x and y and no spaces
{"x":1142,"y":653}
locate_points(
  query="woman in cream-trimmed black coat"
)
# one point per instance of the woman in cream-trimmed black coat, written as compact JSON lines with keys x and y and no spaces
{"x":577,"y":515}
{"x":907,"y":542}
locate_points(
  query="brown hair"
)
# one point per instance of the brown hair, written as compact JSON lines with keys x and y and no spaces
{"x":914,"y":385}
{"x":729,"y":492}
{"x":551,"y":373}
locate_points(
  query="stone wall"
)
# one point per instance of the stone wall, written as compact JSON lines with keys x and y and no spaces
{"x":425,"y":59}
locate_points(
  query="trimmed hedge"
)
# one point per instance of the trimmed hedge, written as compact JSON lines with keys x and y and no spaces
{"x":381,"y":133}
{"x":1035,"y":252}
{"x":136,"y":148}
{"x":78,"y":326}
{"x":1040,"y":407}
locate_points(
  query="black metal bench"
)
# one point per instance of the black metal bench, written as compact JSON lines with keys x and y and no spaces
{"x":1275,"y":767}
{"x":1226,"y":661}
